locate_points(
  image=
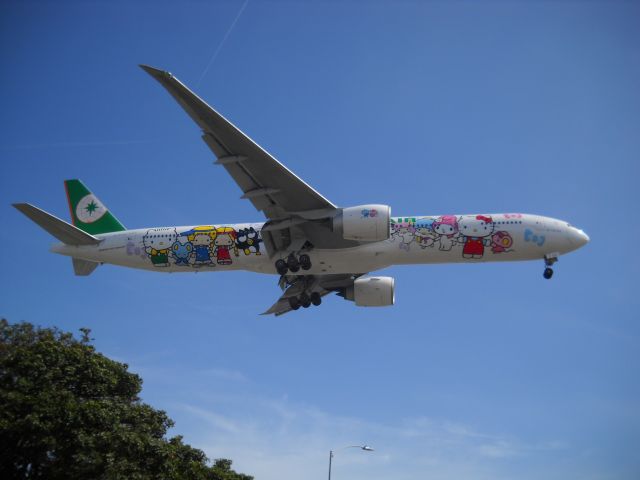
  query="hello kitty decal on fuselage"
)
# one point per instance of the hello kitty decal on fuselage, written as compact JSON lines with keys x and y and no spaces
{"x":157,"y":244}
{"x":473,"y":233}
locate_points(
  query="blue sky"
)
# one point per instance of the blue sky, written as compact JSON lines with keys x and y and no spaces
{"x":478,"y":372}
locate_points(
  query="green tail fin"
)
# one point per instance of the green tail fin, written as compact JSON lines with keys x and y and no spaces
{"x":87,"y":212}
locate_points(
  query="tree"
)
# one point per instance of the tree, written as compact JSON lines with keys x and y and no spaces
{"x":67,"y":411}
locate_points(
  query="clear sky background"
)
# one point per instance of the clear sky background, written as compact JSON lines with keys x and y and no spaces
{"x":479,"y":372}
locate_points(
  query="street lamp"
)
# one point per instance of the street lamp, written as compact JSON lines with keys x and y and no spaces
{"x":366,"y":448}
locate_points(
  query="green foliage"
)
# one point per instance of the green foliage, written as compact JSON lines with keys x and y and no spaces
{"x":69,"y":412}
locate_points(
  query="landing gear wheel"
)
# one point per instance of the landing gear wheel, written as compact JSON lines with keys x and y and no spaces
{"x":305,"y":261}
{"x":294,"y":303}
{"x":281,"y":267}
{"x":305,"y":301}
{"x":316,"y":299}
{"x":548,"y":273}
{"x":292,"y":263}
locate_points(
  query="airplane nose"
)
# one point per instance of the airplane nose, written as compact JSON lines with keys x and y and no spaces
{"x":580,"y":238}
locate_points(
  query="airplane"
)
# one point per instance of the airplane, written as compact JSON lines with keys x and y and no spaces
{"x":314,"y":246}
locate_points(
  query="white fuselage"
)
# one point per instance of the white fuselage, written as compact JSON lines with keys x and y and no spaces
{"x":413,"y":240}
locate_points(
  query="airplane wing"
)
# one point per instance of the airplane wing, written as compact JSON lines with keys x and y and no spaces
{"x":322,"y":284}
{"x":269,"y":185}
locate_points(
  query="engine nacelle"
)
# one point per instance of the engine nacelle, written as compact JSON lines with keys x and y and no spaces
{"x":372,"y":292}
{"x":364,"y":223}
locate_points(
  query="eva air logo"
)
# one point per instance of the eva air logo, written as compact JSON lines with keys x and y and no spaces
{"x":90,"y":209}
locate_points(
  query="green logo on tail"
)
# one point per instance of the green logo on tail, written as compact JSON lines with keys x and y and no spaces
{"x":88,"y":213}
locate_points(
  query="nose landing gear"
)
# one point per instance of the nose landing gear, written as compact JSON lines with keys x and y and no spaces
{"x":549,"y":260}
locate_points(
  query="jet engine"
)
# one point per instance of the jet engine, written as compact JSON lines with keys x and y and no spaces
{"x":372,"y":292}
{"x":364,"y":223}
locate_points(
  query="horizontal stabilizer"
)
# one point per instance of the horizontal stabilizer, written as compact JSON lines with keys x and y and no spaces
{"x":83,"y":267}
{"x":60,"y":229}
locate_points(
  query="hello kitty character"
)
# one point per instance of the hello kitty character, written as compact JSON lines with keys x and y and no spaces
{"x":157,"y":244}
{"x":447,"y":227}
{"x":475,"y":233}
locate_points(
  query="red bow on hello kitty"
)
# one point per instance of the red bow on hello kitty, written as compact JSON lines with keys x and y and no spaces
{"x":484,"y":219}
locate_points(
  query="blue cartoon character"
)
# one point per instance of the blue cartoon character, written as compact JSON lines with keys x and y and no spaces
{"x":182,"y":251}
{"x":202,"y":238}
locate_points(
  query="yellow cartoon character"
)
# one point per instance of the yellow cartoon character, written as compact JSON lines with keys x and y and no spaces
{"x":224,"y":241}
{"x":202,"y":239}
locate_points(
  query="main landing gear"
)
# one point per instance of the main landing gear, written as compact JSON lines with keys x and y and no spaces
{"x":305,"y":301}
{"x":293,"y":263}
{"x":549,"y":260}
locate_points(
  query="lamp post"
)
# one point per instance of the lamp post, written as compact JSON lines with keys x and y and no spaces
{"x":366,"y":448}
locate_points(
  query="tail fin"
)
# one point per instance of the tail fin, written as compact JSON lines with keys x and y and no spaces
{"x":87,"y":212}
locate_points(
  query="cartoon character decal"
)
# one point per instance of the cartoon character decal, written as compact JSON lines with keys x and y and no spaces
{"x":403,"y":231}
{"x":369,"y":213}
{"x":501,"y":242}
{"x":446,"y":227}
{"x":224,"y":241}
{"x":157,"y":243}
{"x":201,"y":239}
{"x":424,"y":234}
{"x":182,"y":251}
{"x":475,"y":232}
{"x":249,"y":241}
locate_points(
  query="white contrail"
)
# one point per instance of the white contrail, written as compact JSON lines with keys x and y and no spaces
{"x":224,"y":39}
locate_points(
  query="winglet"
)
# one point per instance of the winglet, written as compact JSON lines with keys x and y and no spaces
{"x":155,"y":72}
